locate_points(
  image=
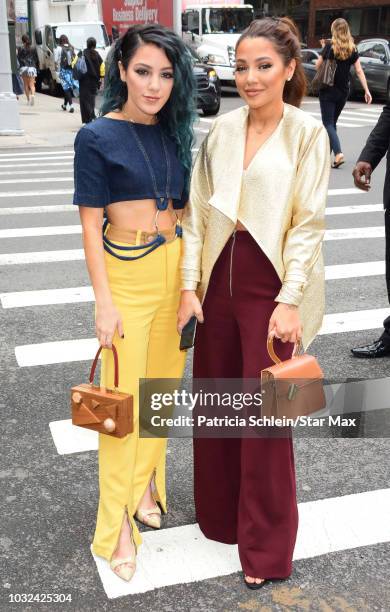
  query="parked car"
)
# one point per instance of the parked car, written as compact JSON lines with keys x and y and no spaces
{"x":374,"y":54}
{"x":209,"y":86}
{"x":309,"y":58}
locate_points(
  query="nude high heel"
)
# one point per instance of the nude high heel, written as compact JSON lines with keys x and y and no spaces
{"x":120,"y":566}
{"x":150,"y":518}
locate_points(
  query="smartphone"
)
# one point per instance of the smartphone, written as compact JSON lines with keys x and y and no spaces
{"x":187,"y":337}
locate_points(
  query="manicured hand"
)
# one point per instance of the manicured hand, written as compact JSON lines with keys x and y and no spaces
{"x":108,"y":320}
{"x":189,"y":306}
{"x":285,"y":323}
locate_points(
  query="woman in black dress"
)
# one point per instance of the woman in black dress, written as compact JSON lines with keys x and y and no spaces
{"x":332,"y":99}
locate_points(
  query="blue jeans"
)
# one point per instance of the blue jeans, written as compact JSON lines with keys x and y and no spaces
{"x":332,"y":102}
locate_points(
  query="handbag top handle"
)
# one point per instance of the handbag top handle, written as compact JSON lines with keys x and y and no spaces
{"x":116,"y":366}
{"x":271,"y":352}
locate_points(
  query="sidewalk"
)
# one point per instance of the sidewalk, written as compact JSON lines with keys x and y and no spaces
{"x":45,"y":124}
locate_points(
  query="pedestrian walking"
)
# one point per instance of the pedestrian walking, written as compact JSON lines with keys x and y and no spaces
{"x":29,"y":64}
{"x":134,"y":162}
{"x":90,"y":81}
{"x":377,"y":146}
{"x":253,"y":242}
{"x":333,"y":98}
{"x":63,"y":57}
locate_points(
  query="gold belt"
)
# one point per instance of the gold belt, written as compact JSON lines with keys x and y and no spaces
{"x":137,"y":237}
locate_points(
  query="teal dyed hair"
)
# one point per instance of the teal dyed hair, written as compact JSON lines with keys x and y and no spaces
{"x":178,"y":114}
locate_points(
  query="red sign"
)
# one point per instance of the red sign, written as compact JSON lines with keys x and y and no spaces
{"x":124,"y":13}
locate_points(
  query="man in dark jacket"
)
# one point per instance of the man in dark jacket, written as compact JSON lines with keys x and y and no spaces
{"x":89,"y":83}
{"x":377,"y":146}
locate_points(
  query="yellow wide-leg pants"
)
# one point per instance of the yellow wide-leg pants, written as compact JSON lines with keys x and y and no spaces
{"x":146,"y":292}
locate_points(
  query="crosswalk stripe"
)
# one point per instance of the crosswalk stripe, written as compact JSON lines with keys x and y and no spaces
{"x":182,"y":555}
{"x":36,"y":158}
{"x":18,"y":172}
{"x":354,"y":208}
{"x":41,"y":192}
{"x":58,"y":230}
{"x":351,"y":233}
{"x":343,"y":124}
{"x":345,"y":191}
{"x":356,"y":114}
{"x":71,"y":295}
{"x":46,"y":208}
{"x":35,"y":152}
{"x":52,"y":208}
{"x":50,"y":165}
{"x":10,"y":259}
{"x":81,"y":350}
{"x":352,"y":116}
{"x":354,"y":270}
{"x":44,"y":297}
{"x":55,"y":230}
{"x":49,"y":179}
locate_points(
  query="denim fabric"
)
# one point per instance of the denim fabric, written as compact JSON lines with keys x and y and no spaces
{"x":332,"y":102}
{"x":109,"y":165}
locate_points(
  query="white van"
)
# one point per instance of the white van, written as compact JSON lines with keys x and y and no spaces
{"x":213,"y":31}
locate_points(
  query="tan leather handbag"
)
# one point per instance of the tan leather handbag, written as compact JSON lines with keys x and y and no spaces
{"x":100,"y":409}
{"x":293,"y":387}
{"x":324,"y":77}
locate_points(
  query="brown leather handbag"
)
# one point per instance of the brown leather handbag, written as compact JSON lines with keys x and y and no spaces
{"x":293,"y":387}
{"x":100,"y":409}
{"x":324,"y":77}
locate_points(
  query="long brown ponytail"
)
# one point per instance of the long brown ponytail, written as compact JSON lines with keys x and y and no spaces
{"x":284,"y":35}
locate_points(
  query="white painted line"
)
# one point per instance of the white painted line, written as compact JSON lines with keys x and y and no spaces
{"x":206,"y":120}
{"x":22,"y":210}
{"x":347,"y":191}
{"x":354,"y":270}
{"x":201,"y":130}
{"x":35,"y":152}
{"x":355,"y":320}
{"x":17,"y":172}
{"x":71,"y":439}
{"x":182,"y":555}
{"x":58,"y":230}
{"x":62,"y":164}
{"x":10,"y":259}
{"x":354,"y":208}
{"x":54,"y":230}
{"x":353,"y":116}
{"x":44,"y":297}
{"x":76,"y":295}
{"x":340,"y":123}
{"x":56,"y":352}
{"x":36,"y":158}
{"x":352,"y":233}
{"x":28,"y":194}
{"x":357,"y":113}
{"x":38,"y":180}
{"x":80,"y":350}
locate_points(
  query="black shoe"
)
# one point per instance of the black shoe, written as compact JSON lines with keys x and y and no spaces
{"x":255,"y":586}
{"x":63,"y":106}
{"x":376,"y":349}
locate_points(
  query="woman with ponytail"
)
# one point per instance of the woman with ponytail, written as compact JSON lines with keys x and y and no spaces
{"x":132,"y":165}
{"x":252,"y":270}
{"x":332,"y":99}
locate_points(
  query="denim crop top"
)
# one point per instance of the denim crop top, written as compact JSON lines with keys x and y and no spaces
{"x":110,"y":165}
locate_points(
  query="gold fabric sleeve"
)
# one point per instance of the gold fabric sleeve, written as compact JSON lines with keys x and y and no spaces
{"x":303,"y":241}
{"x":195,"y":220}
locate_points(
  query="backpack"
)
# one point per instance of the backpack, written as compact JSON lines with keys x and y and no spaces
{"x":66,"y":58}
{"x":79,"y":67}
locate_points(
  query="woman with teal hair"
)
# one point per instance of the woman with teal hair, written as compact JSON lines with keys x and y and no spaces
{"x":132,"y":165}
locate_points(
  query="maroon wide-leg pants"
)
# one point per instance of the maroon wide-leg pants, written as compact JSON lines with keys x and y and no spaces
{"x":244,"y":487}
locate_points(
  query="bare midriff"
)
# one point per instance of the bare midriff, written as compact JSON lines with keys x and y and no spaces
{"x":141,"y":215}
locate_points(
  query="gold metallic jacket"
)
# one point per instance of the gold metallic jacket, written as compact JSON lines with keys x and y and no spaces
{"x":280,"y":199}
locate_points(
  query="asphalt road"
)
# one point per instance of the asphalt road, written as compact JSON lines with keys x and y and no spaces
{"x":49,"y":500}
